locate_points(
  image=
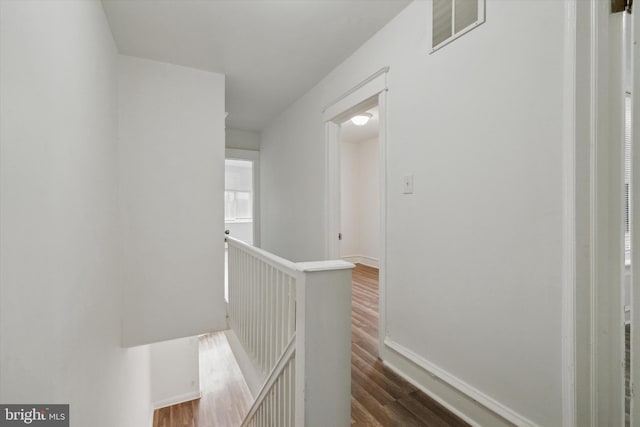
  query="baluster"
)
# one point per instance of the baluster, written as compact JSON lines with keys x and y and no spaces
{"x":228,"y":266}
{"x":252,"y":315}
{"x":263,"y":364}
{"x":274,"y":405}
{"x":268,"y":324}
{"x":267,"y":314}
{"x":281,"y":400}
{"x":278,"y":312}
{"x":242,"y":297}
{"x":292,"y":386}
{"x":292,"y":307}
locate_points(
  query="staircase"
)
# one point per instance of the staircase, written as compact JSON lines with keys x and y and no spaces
{"x":290,"y":328}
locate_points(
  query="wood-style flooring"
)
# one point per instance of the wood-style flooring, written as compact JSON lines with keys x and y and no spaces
{"x":225,"y":396}
{"x":379,"y":397}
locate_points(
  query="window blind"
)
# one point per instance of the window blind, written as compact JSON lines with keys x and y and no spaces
{"x":627,"y":179}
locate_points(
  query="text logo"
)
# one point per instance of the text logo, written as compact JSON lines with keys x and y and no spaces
{"x":34,"y":415}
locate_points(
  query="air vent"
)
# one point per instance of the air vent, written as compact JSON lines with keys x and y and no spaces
{"x":453,"y":18}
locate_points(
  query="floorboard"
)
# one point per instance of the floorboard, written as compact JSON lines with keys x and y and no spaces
{"x":380,"y":397}
{"x":225,"y":396}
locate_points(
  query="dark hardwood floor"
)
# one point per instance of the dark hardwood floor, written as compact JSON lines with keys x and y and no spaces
{"x":627,"y":374}
{"x":379,"y":397}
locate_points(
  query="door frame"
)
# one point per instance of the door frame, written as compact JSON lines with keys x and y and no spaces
{"x":254,"y":157}
{"x":635,"y":224}
{"x":593,"y":308}
{"x":372,"y":89}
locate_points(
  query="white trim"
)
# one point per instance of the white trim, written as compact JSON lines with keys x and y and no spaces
{"x":285,"y":265}
{"x":241,"y":154}
{"x":635,"y":226}
{"x":475,"y":394}
{"x":252,"y":377}
{"x":569,"y":220}
{"x":595,"y":124}
{"x":369,"y":87}
{"x":434,"y":396}
{"x":600,"y":325}
{"x":332,"y":192}
{"x":253,"y":156}
{"x":274,"y":375}
{"x":186,"y":397}
{"x":336,"y":264}
{"x":373,"y":88}
{"x":362,"y":259}
{"x":610,"y":226}
{"x":384,"y":207}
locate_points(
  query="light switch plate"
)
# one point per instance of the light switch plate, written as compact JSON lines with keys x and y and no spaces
{"x":407,"y":184}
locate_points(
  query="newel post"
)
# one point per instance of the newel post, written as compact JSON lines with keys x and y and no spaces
{"x":323,"y":344}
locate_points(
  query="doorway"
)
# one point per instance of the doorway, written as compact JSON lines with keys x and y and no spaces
{"x":360,"y":188}
{"x":627,"y":290}
{"x":241,"y":195}
{"x":370,"y":93}
{"x":241,"y":200}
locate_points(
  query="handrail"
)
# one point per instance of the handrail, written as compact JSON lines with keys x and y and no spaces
{"x":293,"y":267}
{"x":269,"y":258}
{"x":273,"y":376}
{"x":279,"y":311}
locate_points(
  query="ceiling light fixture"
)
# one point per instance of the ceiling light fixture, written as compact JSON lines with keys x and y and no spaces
{"x":361,"y":119}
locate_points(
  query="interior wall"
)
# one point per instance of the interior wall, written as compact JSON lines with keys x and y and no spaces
{"x":474,"y":255}
{"x":171,"y":150}
{"x":242,"y":139}
{"x":175,"y":373}
{"x":60,"y":288}
{"x":360,"y":201}
{"x":349,"y":203}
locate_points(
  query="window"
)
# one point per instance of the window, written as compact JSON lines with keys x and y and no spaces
{"x":237,"y":205}
{"x":453,"y":18}
{"x":238,"y":197}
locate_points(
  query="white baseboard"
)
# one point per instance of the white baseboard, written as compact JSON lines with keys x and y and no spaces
{"x":252,"y":377}
{"x":467,"y":402}
{"x":177,"y":399}
{"x":361,"y":259}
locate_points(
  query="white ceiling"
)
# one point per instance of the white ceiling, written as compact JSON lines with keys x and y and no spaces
{"x":271,"y":51}
{"x":353,"y":133}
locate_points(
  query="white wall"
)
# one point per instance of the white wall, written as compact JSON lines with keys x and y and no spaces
{"x":349,"y":203}
{"x":60,"y":289}
{"x":474,"y":260}
{"x":240,"y":230}
{"x":175,"y":374}
{"x":171,"y":150}
{"x":242,"y":139}
{"x":360,"y":201}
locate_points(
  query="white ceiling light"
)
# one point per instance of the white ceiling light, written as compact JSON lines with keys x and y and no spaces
{"x":361,"y":119}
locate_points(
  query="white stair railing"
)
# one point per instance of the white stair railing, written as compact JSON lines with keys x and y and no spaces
{"x":293,"y":325}
{"x":261,"y":302}
{"x":275,"y":403}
